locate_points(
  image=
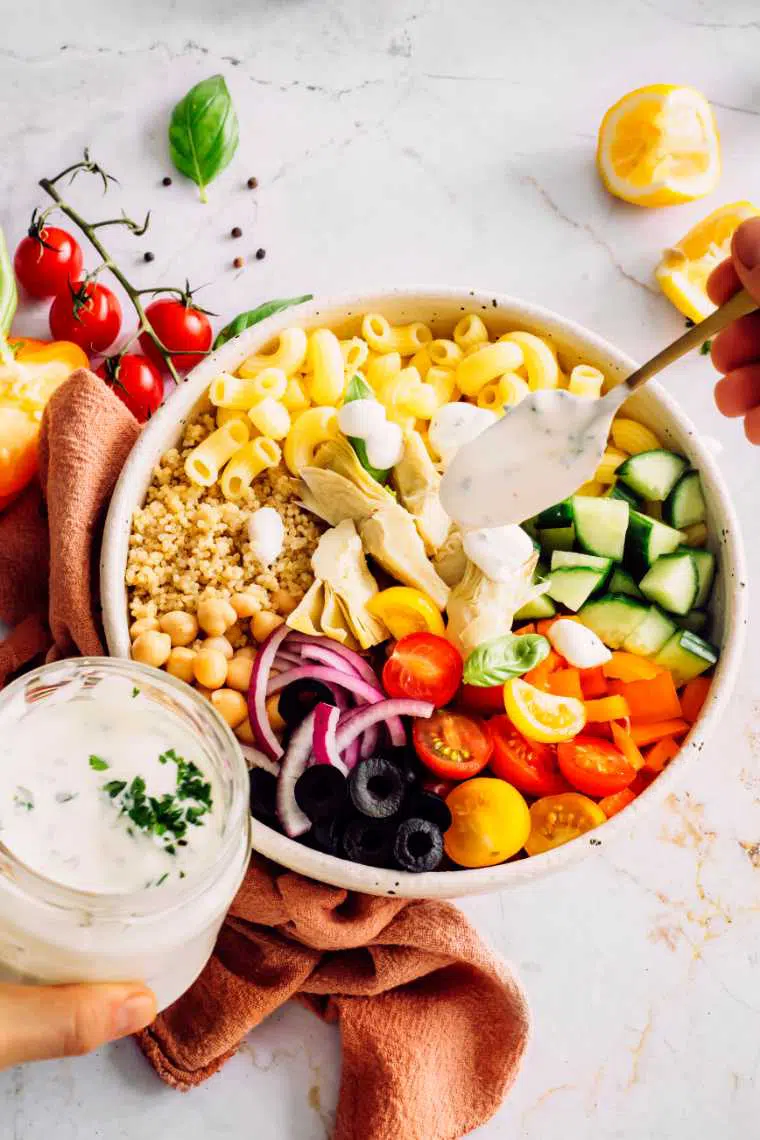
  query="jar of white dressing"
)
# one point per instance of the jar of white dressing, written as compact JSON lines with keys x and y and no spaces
{"x":124,"y":826}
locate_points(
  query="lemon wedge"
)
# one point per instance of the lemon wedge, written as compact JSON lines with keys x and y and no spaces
{"x":659,"y":146}
{"x":683,"y":271}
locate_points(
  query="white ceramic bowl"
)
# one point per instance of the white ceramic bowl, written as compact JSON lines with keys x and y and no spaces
{"x":441,"y":307}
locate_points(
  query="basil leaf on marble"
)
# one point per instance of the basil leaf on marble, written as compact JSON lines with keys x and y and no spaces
{"x":203,"y":132}
{"x":494,"y":662}
{"x":245,"y":321}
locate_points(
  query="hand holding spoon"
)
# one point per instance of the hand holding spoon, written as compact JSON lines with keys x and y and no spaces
{"x":541,"y":451}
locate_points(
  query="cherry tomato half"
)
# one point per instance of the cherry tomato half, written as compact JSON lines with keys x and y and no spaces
{"x":594,"y":766}
{"x":483,"y":699}
{"x":452,"y":745}
{"x":424,"y":667}
{"x":555,"y":820}
{"x":88,"y":314}
{"x":46,"y":260}
{"x":136,"y":381}
{"x":528,"y":764}
{"x":183,"y":330}
{"x":490,"y":822}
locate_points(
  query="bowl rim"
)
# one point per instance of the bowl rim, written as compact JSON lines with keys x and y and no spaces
{"x":434,"y":884}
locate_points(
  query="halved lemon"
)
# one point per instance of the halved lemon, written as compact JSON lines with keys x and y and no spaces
{"x":542,"y":716}
{"x":685,"y":267}
{"x":659,"y":146}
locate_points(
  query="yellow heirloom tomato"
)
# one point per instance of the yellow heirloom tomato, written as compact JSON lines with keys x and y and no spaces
{"x":490,"y":823}
{"x":542,"y":716}
{"x":404,"y":610}
{"x":555,"y":820}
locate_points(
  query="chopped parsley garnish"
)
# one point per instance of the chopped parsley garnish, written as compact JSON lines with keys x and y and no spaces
{"x":135,"y":691}
{"x":65,"y":797}
{"x":163,"y":879}
{"x":166,"y":817}
{"x":23,"y":798}
{"x":98,"y":764}
{"x":705,"y":347}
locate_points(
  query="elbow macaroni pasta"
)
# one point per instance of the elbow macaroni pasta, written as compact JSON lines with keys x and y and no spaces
{"x":294,"y":397}
{"x":490,"y":361}
{"x":224,"y":415}
{"x":381,"y":336}
{"x":243,"y":392}
{"x":633,"y":437}
{"x":539,"y":361}
{"x":270,"y":418}
{"x":421,"y":361}
{"x":470,"y":331}
{"x":445,"y":353}
{"x":443,"y":381}
{"x":205,"y":461}
{"x":611,"y":460}
{"x":355,"y":352}
{"x":312,"y":427}
{"x":586,"y":381}
{"x":382,"y":368}
{"x":289,"y":355}
{"x":246,"y":464}
{"x":325,"y":360}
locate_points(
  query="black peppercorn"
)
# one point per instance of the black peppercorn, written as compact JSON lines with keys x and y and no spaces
{"x":166,"y":180}
{"x":252,"y":183}
{"x":236,"y":232}
{"x":239,"y":262}
{"x":260,"y":254}
{"x":148,"y":256}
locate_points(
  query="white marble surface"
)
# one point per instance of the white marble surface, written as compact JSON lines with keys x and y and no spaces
{"x":414,"y":140}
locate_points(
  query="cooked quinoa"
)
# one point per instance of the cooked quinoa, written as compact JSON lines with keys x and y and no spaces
{"x":189,"y":543}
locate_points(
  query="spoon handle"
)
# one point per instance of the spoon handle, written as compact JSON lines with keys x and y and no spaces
{"x":738,"y":306}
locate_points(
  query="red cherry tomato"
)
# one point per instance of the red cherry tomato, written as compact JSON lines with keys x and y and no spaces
{"x":486,"y":699}
{"x":528,"y":765}
{"x":452,"y":745}
{"x":135,"y":381}
{"x":594,"y":766}
{"x":423,"y":666}
{"x":88,"y":314}
{"x":46,"y":260}
{"x":183,"y":330}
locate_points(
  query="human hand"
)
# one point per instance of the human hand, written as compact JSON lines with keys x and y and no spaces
{"x":736,"y":350}
{"x":41,"y":1022}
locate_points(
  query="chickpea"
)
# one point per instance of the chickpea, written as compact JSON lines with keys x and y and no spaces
{"x":152,"y":648}
{"x":210,"y":668}
{"x":237,"y":636}
{"x":283,"y":602}
{"x":203,"y":692}
{"x":248,"y":651}
{"x":273,"y":712}
{"x":263,"y":623}
{"x":239,"y":673}
{"x":142,"y":625}
{"x":181,"y":627}
{"x":215,"y":616}
{"x":221,"y":644}
{"x":245,"y":605}
{"x":180,"y":664}
{"x":244,"y":732}
{"x":230,"y":705}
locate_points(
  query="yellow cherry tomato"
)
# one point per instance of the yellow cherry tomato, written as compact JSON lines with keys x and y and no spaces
{"x":490,"y":823}
{"x":555,"y":820}
{"x":405,"y":610}
{"x":542,"y":716}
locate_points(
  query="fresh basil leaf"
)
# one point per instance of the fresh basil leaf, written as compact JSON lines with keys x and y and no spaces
{"x":494,"y":662}
{"x":358,"y":389}
{"x":203,"y":132}
{"x":245,"y":321}
{"x":8,"y":300}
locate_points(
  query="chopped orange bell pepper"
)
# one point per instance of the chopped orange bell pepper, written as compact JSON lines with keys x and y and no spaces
{"x":565,"y":683}
{"x":627,"y":745}
{"x":611,"y":805}
{"x":629,"y":667}
{"x":539,"y":675}
{"x":693,"y":697}
{"x":529,"y":628}
{"x":607,"y":708}
{"x":662,"y":753}
{"x":651,"y":700}
{"x":651,"y":733}
{"x":593,"y":683}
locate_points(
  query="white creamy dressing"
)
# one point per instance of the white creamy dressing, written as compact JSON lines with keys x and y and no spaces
{"x":55,"y":815}
{"x":266,"y":534}
{"x":455,"y":425}
{"x":580,"y":647}
{"x":537,"y":454}
{"x":367,"y":420}
{"x":498,"y":551}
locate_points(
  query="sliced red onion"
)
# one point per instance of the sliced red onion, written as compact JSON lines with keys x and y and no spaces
{"x":368,"y":741}
{"x":376,"y":713}
{"x":352,"y":754}
{"x":342,"y":701}
{"x":294,"y":762}
{"x":362,"y":667}
{"x":325,"y":656}
{"x":356,"y":685}
{"x":286,"y":657}
{"x":256,"y":759}
{"x":325,"y":724}
{"x":257,"y":693}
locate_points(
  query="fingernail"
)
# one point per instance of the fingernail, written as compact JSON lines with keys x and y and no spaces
{"x":133,"y":1014}
{"x":747,"y":243}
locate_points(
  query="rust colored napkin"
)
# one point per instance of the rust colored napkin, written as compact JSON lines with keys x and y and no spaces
{"x":432,"y":1023}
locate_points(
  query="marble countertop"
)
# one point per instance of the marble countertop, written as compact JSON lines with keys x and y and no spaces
{"x":407,"y":141}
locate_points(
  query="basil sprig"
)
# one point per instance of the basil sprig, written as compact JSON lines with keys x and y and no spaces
{"x":8,"y":300}
{"x":494,"y":662}
{"x":203,"y":132}
{"x":245,"y":321}
{"x":359,"y":389}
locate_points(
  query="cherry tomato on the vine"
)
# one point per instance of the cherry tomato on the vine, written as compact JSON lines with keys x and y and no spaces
{"x":46,"y":260}
{"x":88,"y":314}
{"x":136,"y":381}
{"x":182,"y":329}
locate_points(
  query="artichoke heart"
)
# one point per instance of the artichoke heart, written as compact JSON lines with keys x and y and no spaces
{"x":450,"y":560}
{"x":338,"y":487}
{"x":417,"y":481}
{"x":480,"y":609}
{"x":391,"y":538}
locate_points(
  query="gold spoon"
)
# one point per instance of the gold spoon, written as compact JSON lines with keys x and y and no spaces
{"x":550,"y":444}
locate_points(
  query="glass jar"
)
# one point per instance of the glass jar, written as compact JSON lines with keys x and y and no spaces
{"x":51,"y":933}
